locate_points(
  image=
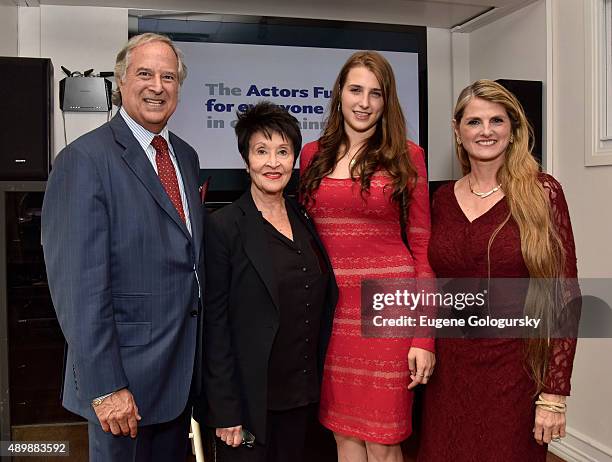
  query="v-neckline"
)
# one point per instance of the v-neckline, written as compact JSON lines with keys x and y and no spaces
{"x":463,"y":212}
{"x":279,"y":234}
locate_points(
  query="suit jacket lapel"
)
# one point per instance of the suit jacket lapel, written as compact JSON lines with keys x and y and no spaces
{"x":255,"y":242}
{"x":140,"y":165}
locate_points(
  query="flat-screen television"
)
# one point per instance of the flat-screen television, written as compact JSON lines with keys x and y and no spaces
{"x":291,"y":62}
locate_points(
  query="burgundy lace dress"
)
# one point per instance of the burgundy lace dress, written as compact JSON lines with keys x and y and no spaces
{"x":479,"y":403}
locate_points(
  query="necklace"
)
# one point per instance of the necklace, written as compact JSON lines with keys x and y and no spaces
{"x":352,"y":158}
{"x":482,"y":195}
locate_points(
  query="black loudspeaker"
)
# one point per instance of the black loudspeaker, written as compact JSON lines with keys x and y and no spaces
{"x":26,"y":99}
{"x":529,"y":94}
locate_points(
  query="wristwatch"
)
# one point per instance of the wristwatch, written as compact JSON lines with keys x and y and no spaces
{"x":97,"y":401}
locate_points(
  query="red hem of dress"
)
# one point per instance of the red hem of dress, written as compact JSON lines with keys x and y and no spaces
{"x":362,"y":436}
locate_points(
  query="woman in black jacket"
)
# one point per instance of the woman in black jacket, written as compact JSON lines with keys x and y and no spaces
{"x":269,"y":302}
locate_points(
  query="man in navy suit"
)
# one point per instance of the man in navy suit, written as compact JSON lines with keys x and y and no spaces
{"x":122,"y":230}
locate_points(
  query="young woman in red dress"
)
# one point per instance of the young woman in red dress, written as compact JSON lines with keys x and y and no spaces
{"x":500,"y":398}
{"x":354,"y":180}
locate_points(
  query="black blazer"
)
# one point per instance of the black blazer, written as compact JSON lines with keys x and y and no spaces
{"x":241,"y":316}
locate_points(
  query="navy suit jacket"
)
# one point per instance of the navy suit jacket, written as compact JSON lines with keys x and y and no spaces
{"x":122,"y":271}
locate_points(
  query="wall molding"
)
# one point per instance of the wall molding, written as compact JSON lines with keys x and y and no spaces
{"x":596,"y":151}
{"x":577,"y":447}
{"x":547,"y":155}
{"x":490,"y":16}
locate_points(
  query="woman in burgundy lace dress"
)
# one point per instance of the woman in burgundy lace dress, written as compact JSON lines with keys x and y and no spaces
{"x":355,"y":180}
{"x":503,"y":219}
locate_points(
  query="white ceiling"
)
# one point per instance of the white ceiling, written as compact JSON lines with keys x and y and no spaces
{"x":467,"y":14}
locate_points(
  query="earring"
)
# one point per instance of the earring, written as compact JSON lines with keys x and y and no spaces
{"x":458,"y":141}
{"x":511,"y":139}
{"x":338,"y":106}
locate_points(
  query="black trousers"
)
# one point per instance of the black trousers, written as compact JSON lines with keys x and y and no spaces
{"x":168,"y":441}
{"x":285,"y":438}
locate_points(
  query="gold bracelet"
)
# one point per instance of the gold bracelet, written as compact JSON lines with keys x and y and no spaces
{"x":548,"y":405}
{"x":551,"y":409}
{"x":551,"y":405}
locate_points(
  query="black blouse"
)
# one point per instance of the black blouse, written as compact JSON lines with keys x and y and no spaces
{"x":302,"y":276}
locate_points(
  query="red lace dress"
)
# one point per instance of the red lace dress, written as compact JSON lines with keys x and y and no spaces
{"x":479,"y":403}
{"x":364,"y":382}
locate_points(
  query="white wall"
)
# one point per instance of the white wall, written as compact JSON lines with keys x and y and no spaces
{"x":460,"y":64}
{"x":513,"y":47}
{"x":77,"y":38}
{"x":440,"y":104}
{"x":8,"y":30}
{"x":29,"y":32}
{"x":80,"y":38}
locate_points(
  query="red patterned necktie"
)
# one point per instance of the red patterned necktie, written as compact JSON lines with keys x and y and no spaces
{"x":167,"y":174}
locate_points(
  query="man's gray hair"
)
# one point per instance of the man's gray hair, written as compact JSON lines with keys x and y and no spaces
{"x":123,"y":59}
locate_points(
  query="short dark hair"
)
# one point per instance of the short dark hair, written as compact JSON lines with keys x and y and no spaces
{"x":268,"y":118}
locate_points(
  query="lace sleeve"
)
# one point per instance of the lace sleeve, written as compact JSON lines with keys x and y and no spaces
{"x":419,"y":219}
{"x":563,"y":348}
{"x":418,"y":232}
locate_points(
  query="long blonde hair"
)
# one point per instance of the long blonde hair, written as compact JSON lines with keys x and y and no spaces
{"x":530,"y":208}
